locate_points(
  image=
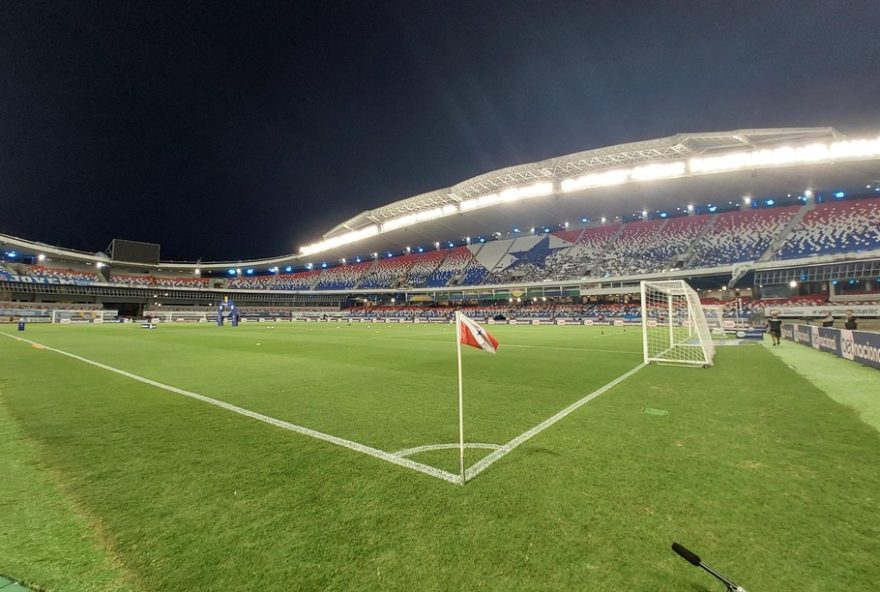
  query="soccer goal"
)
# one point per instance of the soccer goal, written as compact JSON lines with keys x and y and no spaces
{"x":674,"y":328}
{"x":83,"y":316}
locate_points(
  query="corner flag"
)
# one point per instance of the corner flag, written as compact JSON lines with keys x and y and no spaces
{"x":470,"y":333}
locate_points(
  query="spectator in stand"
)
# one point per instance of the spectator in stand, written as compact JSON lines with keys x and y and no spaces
{"x":851,"y":322}
{"x":775,"y":327}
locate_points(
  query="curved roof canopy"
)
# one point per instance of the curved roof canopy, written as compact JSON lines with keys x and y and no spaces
{"x":679,"y":169}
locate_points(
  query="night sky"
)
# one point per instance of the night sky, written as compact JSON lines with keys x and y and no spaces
{"x":244,"y":129}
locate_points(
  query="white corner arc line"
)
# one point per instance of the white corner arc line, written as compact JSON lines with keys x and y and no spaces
{"x":454,"y":446}
{"x":493,"y":457}
{"x":357,"y":447}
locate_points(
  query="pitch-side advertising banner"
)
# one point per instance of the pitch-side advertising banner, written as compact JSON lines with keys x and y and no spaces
{"x":859,"y":346}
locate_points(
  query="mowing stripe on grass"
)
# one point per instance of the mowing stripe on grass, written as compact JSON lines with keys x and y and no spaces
{"x":357,"y":447}
{"x":485,"y":462}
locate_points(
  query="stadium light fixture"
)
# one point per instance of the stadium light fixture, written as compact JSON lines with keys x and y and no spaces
{"x":288,"y":269}
{"x":808,"y":193}
{"x":507,"y":195}
{"x":690,"y":207}
{"x":197,"y":271}
{"x":238,"y":270}
{"x":343,"y":261}
{"x":342,"y":239}
{"x":584,"y":220}
{"x":747,"y":200}
{"x":840,"y":195}
{"x":603,"y":219}
{"x":771,"y":202}
{"x":793,"y":284}
{"x":41,"y":257}
{"x":231,"y":272}
{"x":644,"y":213}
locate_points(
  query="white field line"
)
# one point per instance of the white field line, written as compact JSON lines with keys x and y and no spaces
{"x":493,"y":457}
{"x":454,"y":446}
{"x":374,"y":452}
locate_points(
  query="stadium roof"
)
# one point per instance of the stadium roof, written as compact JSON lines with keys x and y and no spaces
{"x":661,"y":174}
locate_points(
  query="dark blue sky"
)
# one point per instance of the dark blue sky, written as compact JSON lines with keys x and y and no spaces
{"x":244,"y":129}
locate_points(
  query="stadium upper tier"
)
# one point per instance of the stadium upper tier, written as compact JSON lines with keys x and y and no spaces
{"x":685,"y":241}
{"x":615,"y":183}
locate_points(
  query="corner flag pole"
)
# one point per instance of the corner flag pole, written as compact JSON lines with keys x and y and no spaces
{"x":460,"y":398}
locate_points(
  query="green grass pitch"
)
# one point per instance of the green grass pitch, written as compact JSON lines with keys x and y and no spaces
{"x":113,"y":484}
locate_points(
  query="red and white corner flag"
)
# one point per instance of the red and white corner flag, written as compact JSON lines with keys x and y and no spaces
{"x":470,"y":333}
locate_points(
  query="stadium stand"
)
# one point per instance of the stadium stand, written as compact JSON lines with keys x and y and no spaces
{"x":837,"y":227}
{"x":455,"y":262}
{"x":260,"y":282}
{"x":526,"y":259}
{"x":388,"y":273}
{"x":674,"y":240}
{"x":424,"y":265}
{"x":132,"y":280}
{"x":625,"y":256}
{"x":180,"y":282}
{"x":343,"y":277}
{"x":304,"y":280}
{"x":64,"y":275}
{"x":741,"y":236}
{"x":585,"y":252}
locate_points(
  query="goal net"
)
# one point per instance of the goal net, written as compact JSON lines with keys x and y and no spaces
{"x":83,"y":316}
{"x":674,"y":328}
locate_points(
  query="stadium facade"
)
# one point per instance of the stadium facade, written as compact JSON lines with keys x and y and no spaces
{"x":772,"y":213}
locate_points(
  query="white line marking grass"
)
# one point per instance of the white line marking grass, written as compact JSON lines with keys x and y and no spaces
{"x":453,"y":446}
{"x":374,"y":452}
{"x":488,"y":460}
{"x":396,"y":458}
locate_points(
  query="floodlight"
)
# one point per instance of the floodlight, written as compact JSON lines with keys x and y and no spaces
{"x":690,"y":207}
{"x":793,"y":284}
{"x":41,"y":257}
{"x":839,"y":194}
{"x":808,"y":193}
{"x":747,"y":200}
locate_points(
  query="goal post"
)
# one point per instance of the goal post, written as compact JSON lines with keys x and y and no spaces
{"x":674,"y":327}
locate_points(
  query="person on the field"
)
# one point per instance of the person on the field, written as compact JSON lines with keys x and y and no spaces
{"x":850,"y":322}
{"x":828,"y":321}
{"x":775,"y":327}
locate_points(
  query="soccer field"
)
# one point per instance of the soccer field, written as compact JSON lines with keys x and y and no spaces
{"x":141,"y":485}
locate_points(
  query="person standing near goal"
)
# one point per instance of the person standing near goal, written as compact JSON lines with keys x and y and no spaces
{"x":775,"y":326}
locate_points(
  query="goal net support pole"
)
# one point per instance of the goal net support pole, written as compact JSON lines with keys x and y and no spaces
{"x":674,"y":327}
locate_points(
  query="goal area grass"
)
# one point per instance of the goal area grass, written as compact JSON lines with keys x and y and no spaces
{"x":112,"y":483}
